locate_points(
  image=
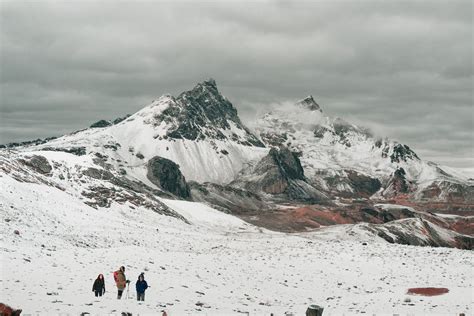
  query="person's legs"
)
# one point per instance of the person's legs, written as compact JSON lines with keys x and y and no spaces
{"x":100,"y":293}
{"x":143,"y":296}
{"x":96,"y":293}
{"x":138,"y":296}
{"x":119,"y":294}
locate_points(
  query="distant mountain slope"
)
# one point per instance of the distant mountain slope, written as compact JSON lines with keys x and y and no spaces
{"x":341,"y":157}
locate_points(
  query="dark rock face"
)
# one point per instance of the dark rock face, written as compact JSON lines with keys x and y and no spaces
{"x":279,"y":173}
{"x":100,"y":174}
{"x":166,"y":174}
{"x":38,"y":163}
{"x":363,"y":185}
{"x":288,"y":163}
{"x":402,"y":153}
{"x":100,"y":124}
{"x":120,"y":119}
{"x":398,"y":184}
{"x":203,"y":113}
{"x":277,"y":168}
{"x":105,"y":123}
{"x":309,"y":103}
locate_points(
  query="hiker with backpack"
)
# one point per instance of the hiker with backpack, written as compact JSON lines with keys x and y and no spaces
{"x":99,"y":286}
{"x":141,"y":286}
{"x":120,"y":280}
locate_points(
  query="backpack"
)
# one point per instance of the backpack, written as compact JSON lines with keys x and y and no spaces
{"x":116,"y":276}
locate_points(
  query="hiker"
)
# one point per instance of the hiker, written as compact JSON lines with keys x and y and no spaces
{"x":141,"y":286}
{"x":99,"y":286}
{"x":120,"y":281}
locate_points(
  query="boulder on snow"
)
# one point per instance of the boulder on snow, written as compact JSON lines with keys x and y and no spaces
{"x":8,"y":311}
{"x":166,"y":174}
{"x":38,"y":163}
{"x":314,"y":310}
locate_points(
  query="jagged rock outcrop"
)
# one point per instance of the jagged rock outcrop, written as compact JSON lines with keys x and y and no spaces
{"x":363,"y":185}
{"x":97,"y":173}
{"x":166,"y":175}
{"x":403,"y":153}
{"x":309,"y":103}
{"x":204,"y":113}
{"x":398,"y":184}
{"x":38,"y":163}
{"x":279,"y":173}
{"x":106,"y":123}
{"x":100,"y":124}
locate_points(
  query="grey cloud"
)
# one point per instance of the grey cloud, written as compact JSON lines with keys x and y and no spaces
{"x":403,"y":68}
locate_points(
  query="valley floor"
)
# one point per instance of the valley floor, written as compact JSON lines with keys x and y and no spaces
{"x":217,"y":265}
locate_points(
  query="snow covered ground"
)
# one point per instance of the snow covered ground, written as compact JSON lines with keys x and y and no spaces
{"x":217,"y":265}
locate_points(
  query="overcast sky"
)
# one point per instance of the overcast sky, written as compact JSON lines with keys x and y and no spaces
{"x":404,"y":69}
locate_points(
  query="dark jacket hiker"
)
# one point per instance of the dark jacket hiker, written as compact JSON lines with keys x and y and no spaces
{"x":141,"y":286}
{"x":99,"y":286}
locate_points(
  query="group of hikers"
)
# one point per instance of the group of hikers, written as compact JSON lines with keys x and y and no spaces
{"x":121,"y":282}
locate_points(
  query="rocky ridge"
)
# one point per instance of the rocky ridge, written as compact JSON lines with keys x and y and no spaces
{"x":300,"y":169}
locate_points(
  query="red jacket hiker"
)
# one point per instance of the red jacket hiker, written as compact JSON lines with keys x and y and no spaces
{"x":120,"y":281}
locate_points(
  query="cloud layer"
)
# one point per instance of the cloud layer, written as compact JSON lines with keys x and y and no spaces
{"x":402,"y":68}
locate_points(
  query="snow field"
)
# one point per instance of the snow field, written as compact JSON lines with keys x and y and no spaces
{"x":220,"y":263}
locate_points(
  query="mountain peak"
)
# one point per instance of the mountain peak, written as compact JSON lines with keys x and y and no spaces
{"x":204,"y":113}
{"x":208,"y":86}
{"x":309,"y":103}
{"x":210,"y":82}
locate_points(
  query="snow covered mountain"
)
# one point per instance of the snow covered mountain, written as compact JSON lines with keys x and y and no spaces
{"x":199,"y":130}
{"x":348,"y":160}
{"x":298,"y":170}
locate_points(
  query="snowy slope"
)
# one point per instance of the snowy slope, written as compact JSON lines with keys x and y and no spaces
{"x":217,"y":265}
